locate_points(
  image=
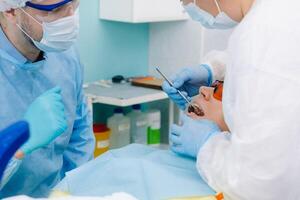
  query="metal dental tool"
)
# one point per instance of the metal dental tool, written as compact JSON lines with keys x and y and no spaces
{"x":192,"y":108}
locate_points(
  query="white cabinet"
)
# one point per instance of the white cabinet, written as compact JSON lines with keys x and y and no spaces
{"x":142,"y":11}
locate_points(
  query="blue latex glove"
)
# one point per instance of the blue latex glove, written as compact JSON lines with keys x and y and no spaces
{"x":188,"y":81}
{"x":191,"y":136}
{"x":47,"y":120}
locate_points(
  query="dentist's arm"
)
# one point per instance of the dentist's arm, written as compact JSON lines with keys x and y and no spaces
{"x":11,"y":169}
{"x":82,"y":142}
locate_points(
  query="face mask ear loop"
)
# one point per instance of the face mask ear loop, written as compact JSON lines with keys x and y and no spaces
{"x":31,"y":16}
{"x":218,"y":6}
{"x":23,"y":31}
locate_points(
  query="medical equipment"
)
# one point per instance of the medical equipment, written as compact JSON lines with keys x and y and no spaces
{"x":119,"y":125}
{"x":138,"y":125}
{"x":55,"y":11}
{"x":102,"y":135}
{"x":154,"y":125}
{"x":189,"y":80}
{"x":11,"y":139}
{"x":191,"y":107}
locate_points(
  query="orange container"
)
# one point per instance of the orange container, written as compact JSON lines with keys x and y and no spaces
{"x":102,"y":134}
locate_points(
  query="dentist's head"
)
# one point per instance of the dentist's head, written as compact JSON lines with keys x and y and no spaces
{"x":40,"y":25}
{"x":217,"y":14}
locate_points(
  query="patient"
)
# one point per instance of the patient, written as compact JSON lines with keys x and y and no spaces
{"x":210,"y":102}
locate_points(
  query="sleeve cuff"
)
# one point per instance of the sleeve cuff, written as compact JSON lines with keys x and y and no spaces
{"x":11,"y":169}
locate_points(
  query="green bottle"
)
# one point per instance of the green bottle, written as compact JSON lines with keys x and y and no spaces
{"x":153,"y":132}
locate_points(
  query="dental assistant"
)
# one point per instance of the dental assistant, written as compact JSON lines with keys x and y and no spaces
{"x":260,"y":157}
{"x":41,"y":82}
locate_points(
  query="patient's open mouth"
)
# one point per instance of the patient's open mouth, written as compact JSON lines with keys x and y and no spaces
{"x":194,"y":108}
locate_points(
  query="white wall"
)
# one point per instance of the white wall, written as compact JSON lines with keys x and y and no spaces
{"x":174,"y":45}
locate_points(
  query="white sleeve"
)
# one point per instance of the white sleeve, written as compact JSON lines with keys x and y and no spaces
{"x":261,"y":160}
{"x":217,"y":61}
{"x":10,"y":170}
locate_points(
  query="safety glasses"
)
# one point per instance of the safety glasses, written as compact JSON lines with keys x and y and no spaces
{"x":218,"y":90}
{"x":52,"y":12}
{"x":47,"y":8}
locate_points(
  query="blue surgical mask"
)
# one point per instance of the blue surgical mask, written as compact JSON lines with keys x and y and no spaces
{"x":221,"y":21}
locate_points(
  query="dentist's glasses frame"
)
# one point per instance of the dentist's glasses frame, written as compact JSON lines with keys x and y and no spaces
{"x":53,"y":12}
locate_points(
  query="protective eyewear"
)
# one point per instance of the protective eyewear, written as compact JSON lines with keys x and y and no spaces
{"x":50,"y":7}
{"x":52,"y":12}
{"x":218,"y":90}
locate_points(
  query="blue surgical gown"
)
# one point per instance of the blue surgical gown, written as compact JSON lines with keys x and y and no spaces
{"x":21,"y":83}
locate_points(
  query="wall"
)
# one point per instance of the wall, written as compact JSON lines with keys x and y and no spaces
{"x":176,"y":45}
{"x":110,"y":48}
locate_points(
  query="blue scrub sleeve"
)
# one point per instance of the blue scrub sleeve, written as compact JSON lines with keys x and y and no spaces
{"x":82,"y":143}
{"x":10,"y":170}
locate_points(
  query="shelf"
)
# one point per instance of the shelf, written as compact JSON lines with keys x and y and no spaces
{"x":122,"y":95}
{"x":142,"y":11}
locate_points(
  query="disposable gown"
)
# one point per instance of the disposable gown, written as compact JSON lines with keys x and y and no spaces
{"x":21,"y":82}
{"x":261,"y":102}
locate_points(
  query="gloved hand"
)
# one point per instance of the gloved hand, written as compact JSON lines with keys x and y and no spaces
{"x":188,"y":81}
{"x":47,"y":120}
{"x":188,"y":139}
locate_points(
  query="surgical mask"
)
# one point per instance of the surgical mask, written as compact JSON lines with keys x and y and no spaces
{"x":58,"y":35}
{"x":221,"y":21}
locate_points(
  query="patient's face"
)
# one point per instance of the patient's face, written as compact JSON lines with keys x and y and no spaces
{"x":211,"y":105}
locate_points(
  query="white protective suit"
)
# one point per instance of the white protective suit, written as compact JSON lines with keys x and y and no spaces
{"x":261,"y":102}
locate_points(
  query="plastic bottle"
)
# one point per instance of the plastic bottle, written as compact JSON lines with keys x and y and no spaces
{"x":120,"y":129}
{"x":139,"y":125}
{"x":154,"y":121}
{"x":102,"y":134}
